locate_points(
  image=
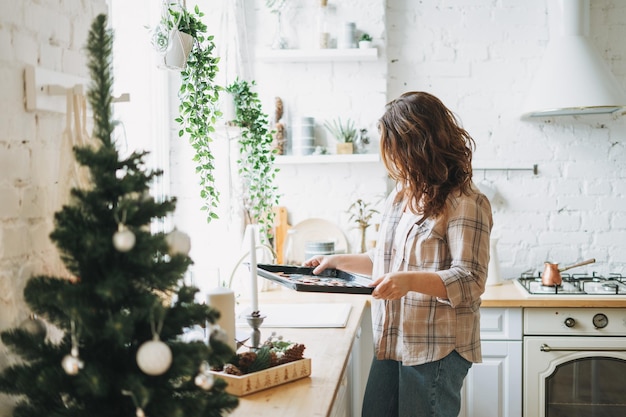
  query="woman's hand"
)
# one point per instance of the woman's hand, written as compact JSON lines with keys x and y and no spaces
{"x":395,"y":285}
{"x":391,"y":286}
{"x":355,"y":263}
{"x":320,"y":263}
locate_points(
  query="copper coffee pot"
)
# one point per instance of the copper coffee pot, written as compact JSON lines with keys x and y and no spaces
{"x":552,"y":273}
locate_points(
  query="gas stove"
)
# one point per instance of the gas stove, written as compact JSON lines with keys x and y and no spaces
{"x":576,"y":285}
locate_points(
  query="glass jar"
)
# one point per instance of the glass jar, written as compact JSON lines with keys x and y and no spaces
{"x":322,"y":25}
{"x":289,"y":248}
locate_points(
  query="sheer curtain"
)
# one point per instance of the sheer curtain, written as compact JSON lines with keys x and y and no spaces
{"x":147,"y":122}
{"x":144,"y":121}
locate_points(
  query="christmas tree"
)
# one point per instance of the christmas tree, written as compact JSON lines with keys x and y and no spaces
{"x":124,"y":311}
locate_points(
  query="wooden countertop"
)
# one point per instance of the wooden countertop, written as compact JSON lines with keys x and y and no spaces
{"x":510,"y":295}
{"x":329,"y":350}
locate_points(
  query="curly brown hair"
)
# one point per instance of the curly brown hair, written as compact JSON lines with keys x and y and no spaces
{"x":426,"y":151}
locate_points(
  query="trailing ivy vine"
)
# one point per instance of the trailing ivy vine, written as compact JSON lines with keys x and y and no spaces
{"x":198,"y":109}
{"x":256,"y":157}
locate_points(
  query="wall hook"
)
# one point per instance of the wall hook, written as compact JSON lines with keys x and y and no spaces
{"x":46,"y":90}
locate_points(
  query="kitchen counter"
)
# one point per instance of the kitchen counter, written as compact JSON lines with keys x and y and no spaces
{"x":329,"y":350}
{"x":510,"y":295}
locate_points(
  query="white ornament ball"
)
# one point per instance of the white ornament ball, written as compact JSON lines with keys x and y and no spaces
{"x":154,"y":357}
{"x":72,"y":364}
{"x":179,"y":242}
{"x":124,"y":240}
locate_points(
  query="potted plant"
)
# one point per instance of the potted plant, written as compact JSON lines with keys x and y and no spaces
{"x":175,"y":35}
{"x":365,"y":41}
{"x":256,"y":159}
{"x":361,"y":213}
{"x":199,"y":95}
{"x":344,"y":133}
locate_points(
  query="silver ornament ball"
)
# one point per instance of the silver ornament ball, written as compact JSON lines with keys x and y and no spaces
{"x":72,"y":364}
{"x":204,"y":380}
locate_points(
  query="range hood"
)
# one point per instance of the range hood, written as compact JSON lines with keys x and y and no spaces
{"x":573,"y":78}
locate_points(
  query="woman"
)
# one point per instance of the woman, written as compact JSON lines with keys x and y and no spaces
{"x":429,"y":267}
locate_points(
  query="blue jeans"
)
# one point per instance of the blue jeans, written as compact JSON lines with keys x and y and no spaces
{"x":428,"y":390}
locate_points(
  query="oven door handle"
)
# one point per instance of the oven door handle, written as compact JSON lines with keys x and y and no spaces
{"x":546,"y":348}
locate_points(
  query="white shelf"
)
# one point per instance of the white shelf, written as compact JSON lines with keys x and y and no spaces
{"x":326,"y":159}
{"x":317,"y":55}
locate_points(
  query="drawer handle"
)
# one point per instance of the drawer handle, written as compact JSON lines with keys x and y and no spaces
{"x":546,"y":348}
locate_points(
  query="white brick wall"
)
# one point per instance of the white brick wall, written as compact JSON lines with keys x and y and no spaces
{"x":479,"y":58}
{"x":52,"y":35}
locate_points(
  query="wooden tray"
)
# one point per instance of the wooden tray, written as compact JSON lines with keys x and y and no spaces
{"x":267,"y":378}
{"x":301,"y":278}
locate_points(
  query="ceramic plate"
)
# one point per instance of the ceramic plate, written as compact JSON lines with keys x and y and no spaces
{"x":318,"y":230}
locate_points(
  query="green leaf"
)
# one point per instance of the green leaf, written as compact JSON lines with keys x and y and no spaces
{"x":255,"y":141}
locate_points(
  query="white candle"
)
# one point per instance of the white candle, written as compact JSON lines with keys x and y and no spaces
{"x":223,"y":300}
{"x":253,"y":289}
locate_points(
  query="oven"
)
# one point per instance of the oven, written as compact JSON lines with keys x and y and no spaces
{"x":574,"y":359}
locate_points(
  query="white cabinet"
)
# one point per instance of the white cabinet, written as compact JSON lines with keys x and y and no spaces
{"x":341,"y":405}
{"x":493,"y":388}
{"x":349,"y":399}
{"x":361,"y":361}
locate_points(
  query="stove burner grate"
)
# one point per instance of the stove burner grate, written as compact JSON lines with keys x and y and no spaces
{"x":576,"y":284}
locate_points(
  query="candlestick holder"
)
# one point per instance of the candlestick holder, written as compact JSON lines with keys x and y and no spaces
{"x":255,"y":320}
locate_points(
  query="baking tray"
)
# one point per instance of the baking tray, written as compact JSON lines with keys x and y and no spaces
{"x":301,"y":278}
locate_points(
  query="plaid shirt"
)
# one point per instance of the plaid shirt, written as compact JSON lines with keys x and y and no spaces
{"x":419,"y":328}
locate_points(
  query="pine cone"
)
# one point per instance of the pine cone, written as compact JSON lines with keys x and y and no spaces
{"x":245,"y":360}
{"x":295,"y":352}
{"x":273,"y":359}
{"x":231,"y":369}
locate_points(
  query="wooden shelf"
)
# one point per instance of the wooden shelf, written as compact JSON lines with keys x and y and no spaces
{"x":317,"y":55}
{"x":326,"y":159}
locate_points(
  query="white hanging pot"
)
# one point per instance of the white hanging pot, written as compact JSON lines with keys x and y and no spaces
{"x":178,"y":49}
{"x":228,"y":107}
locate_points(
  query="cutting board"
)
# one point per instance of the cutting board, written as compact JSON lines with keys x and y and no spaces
{"x":281,"y":226}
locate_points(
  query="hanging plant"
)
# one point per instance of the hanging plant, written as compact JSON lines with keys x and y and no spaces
{"x":175,"y":35}
{"x":256,"y":157}
{"x":199,"y":95}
